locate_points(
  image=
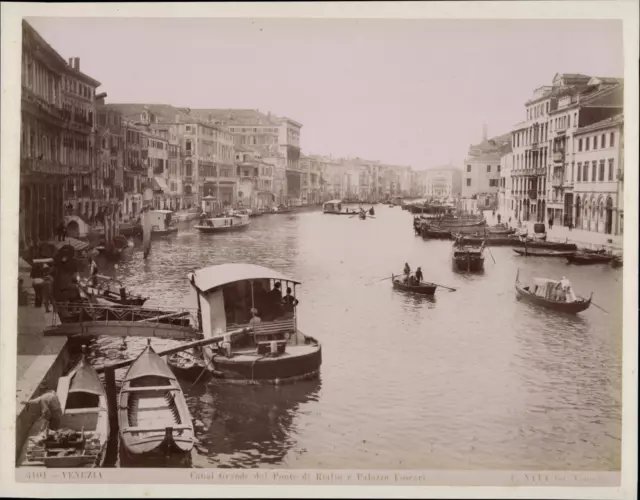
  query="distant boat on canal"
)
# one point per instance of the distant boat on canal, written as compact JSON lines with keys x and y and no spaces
{"x":467,"y":257}
{"x":154,"y":420}
{"x":334,"y":207}
{"x":224,"y":223}
{"x":162,"y":223}
{"x":242,"y":305}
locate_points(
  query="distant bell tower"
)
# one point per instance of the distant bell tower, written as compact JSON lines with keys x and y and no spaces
{"x":484,"y":132}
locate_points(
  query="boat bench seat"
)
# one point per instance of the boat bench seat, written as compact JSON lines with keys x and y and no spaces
{"x":271,"y":327}
{"x":151,"y":388}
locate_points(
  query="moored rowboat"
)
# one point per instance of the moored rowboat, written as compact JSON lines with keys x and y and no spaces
{"x":541,"y":252}
{"x":155,"y":424}
{"x":81,"y":440}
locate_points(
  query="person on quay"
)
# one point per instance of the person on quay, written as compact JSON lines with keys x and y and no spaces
{"x":289,"y":302}
{"x":419,"y":276}
{"x":50,"y":408}
{"x":37,"y":283}
{"x":550,"y":222}
{"x":47,"y":287}
{"x":93,"y":271}
{"x":499,"y":217}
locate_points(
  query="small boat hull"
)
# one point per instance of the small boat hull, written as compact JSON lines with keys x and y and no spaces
{"x":300,"y":362}
{"x":589,"y":259}
{"x":223,"y":229}
{"x":534,"y":252}
{"x":163,"y":232}
{"x":422,"y":289}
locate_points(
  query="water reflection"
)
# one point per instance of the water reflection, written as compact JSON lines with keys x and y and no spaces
{"x":249,"y":426}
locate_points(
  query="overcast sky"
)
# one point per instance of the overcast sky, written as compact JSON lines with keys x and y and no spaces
{"x":412,"y":92}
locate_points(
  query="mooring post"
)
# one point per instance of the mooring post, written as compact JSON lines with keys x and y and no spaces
{"x":112,"y":400}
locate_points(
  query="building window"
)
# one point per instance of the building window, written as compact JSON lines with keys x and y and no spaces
{"x":468,"y":182}
{"x":601,"y":172}
{"x":586,"y":143}
{"x":610,"y":177}
{"x":579,"y":171}
{"x":612,"y":139}
{"x":579,"y":144}
{"x":488,"y":168}
{"x":498,"y":167}
{"x":468,"y":168}
{"x":595,"y":142}
{"x":594,"y":168}
{"x":585,"y":171}
{"x":603,"y":141}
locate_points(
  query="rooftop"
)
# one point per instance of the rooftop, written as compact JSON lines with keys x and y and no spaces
{"x":607,"y":122}
{"x":215,"y":276}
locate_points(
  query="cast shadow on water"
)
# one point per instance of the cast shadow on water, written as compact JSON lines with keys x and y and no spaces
{"x":246,"y":426}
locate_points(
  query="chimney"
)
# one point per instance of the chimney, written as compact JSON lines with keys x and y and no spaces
{"x":76,"y":63}
{"x":71,"y":62}
{"x":484,"y":132}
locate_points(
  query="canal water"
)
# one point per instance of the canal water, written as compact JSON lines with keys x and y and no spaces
{"x":471,"y":379}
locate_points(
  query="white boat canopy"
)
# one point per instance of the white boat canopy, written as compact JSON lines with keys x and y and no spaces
{"x":332,"y":202}
{"x":215,"y":276}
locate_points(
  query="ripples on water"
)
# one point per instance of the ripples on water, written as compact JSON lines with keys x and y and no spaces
{"x":471,"y":379}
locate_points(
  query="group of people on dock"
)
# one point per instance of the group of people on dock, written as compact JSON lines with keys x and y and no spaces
{"x":414,"y":279}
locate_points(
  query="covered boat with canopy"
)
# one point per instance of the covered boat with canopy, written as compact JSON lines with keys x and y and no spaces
{"x":244,"y":305}
{"x":552,"y":294}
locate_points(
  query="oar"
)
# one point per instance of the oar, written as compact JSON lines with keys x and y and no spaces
{"x":593,"y":303}
{"x":447,"y":287}
{"x":494,"y":260}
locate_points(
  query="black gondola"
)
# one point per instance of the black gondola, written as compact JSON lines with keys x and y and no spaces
{"x":535,"y":297}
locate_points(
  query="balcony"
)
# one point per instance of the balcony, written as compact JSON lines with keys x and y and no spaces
{"x":558,"y":157}
{"x":534,"y":145}
{"x":557,"y":181}
{"x":561,"y":130}
{"x":567,"y":184}
{"x":188,"y":178}
{"x":533,"y":194}
{"x":38,"y":104}
{"x":33,"y":166}
{"x":188,"y":152}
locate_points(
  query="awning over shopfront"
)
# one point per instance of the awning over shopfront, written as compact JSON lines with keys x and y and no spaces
{"x":159,"y":184}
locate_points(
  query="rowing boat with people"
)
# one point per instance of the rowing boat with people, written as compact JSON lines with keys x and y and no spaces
{"x":422,"y":288}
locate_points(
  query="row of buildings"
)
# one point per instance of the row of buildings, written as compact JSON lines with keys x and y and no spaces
{"x":564,"y":162}
{"x":81,"y":155}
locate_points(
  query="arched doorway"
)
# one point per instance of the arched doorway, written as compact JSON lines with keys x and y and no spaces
{"x":578,"y":211}
{"x":608,"y":224}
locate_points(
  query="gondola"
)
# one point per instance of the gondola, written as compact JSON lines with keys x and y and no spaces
{"x":81,"y":440}
{"x":540,"y":296}
{"x":422,"y":288}
{"x":585,"y":259}
{"x":155,"y":424}
{"x":541,"y":252}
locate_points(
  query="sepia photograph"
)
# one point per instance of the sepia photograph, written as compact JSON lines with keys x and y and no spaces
{"x":296,"y":250}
